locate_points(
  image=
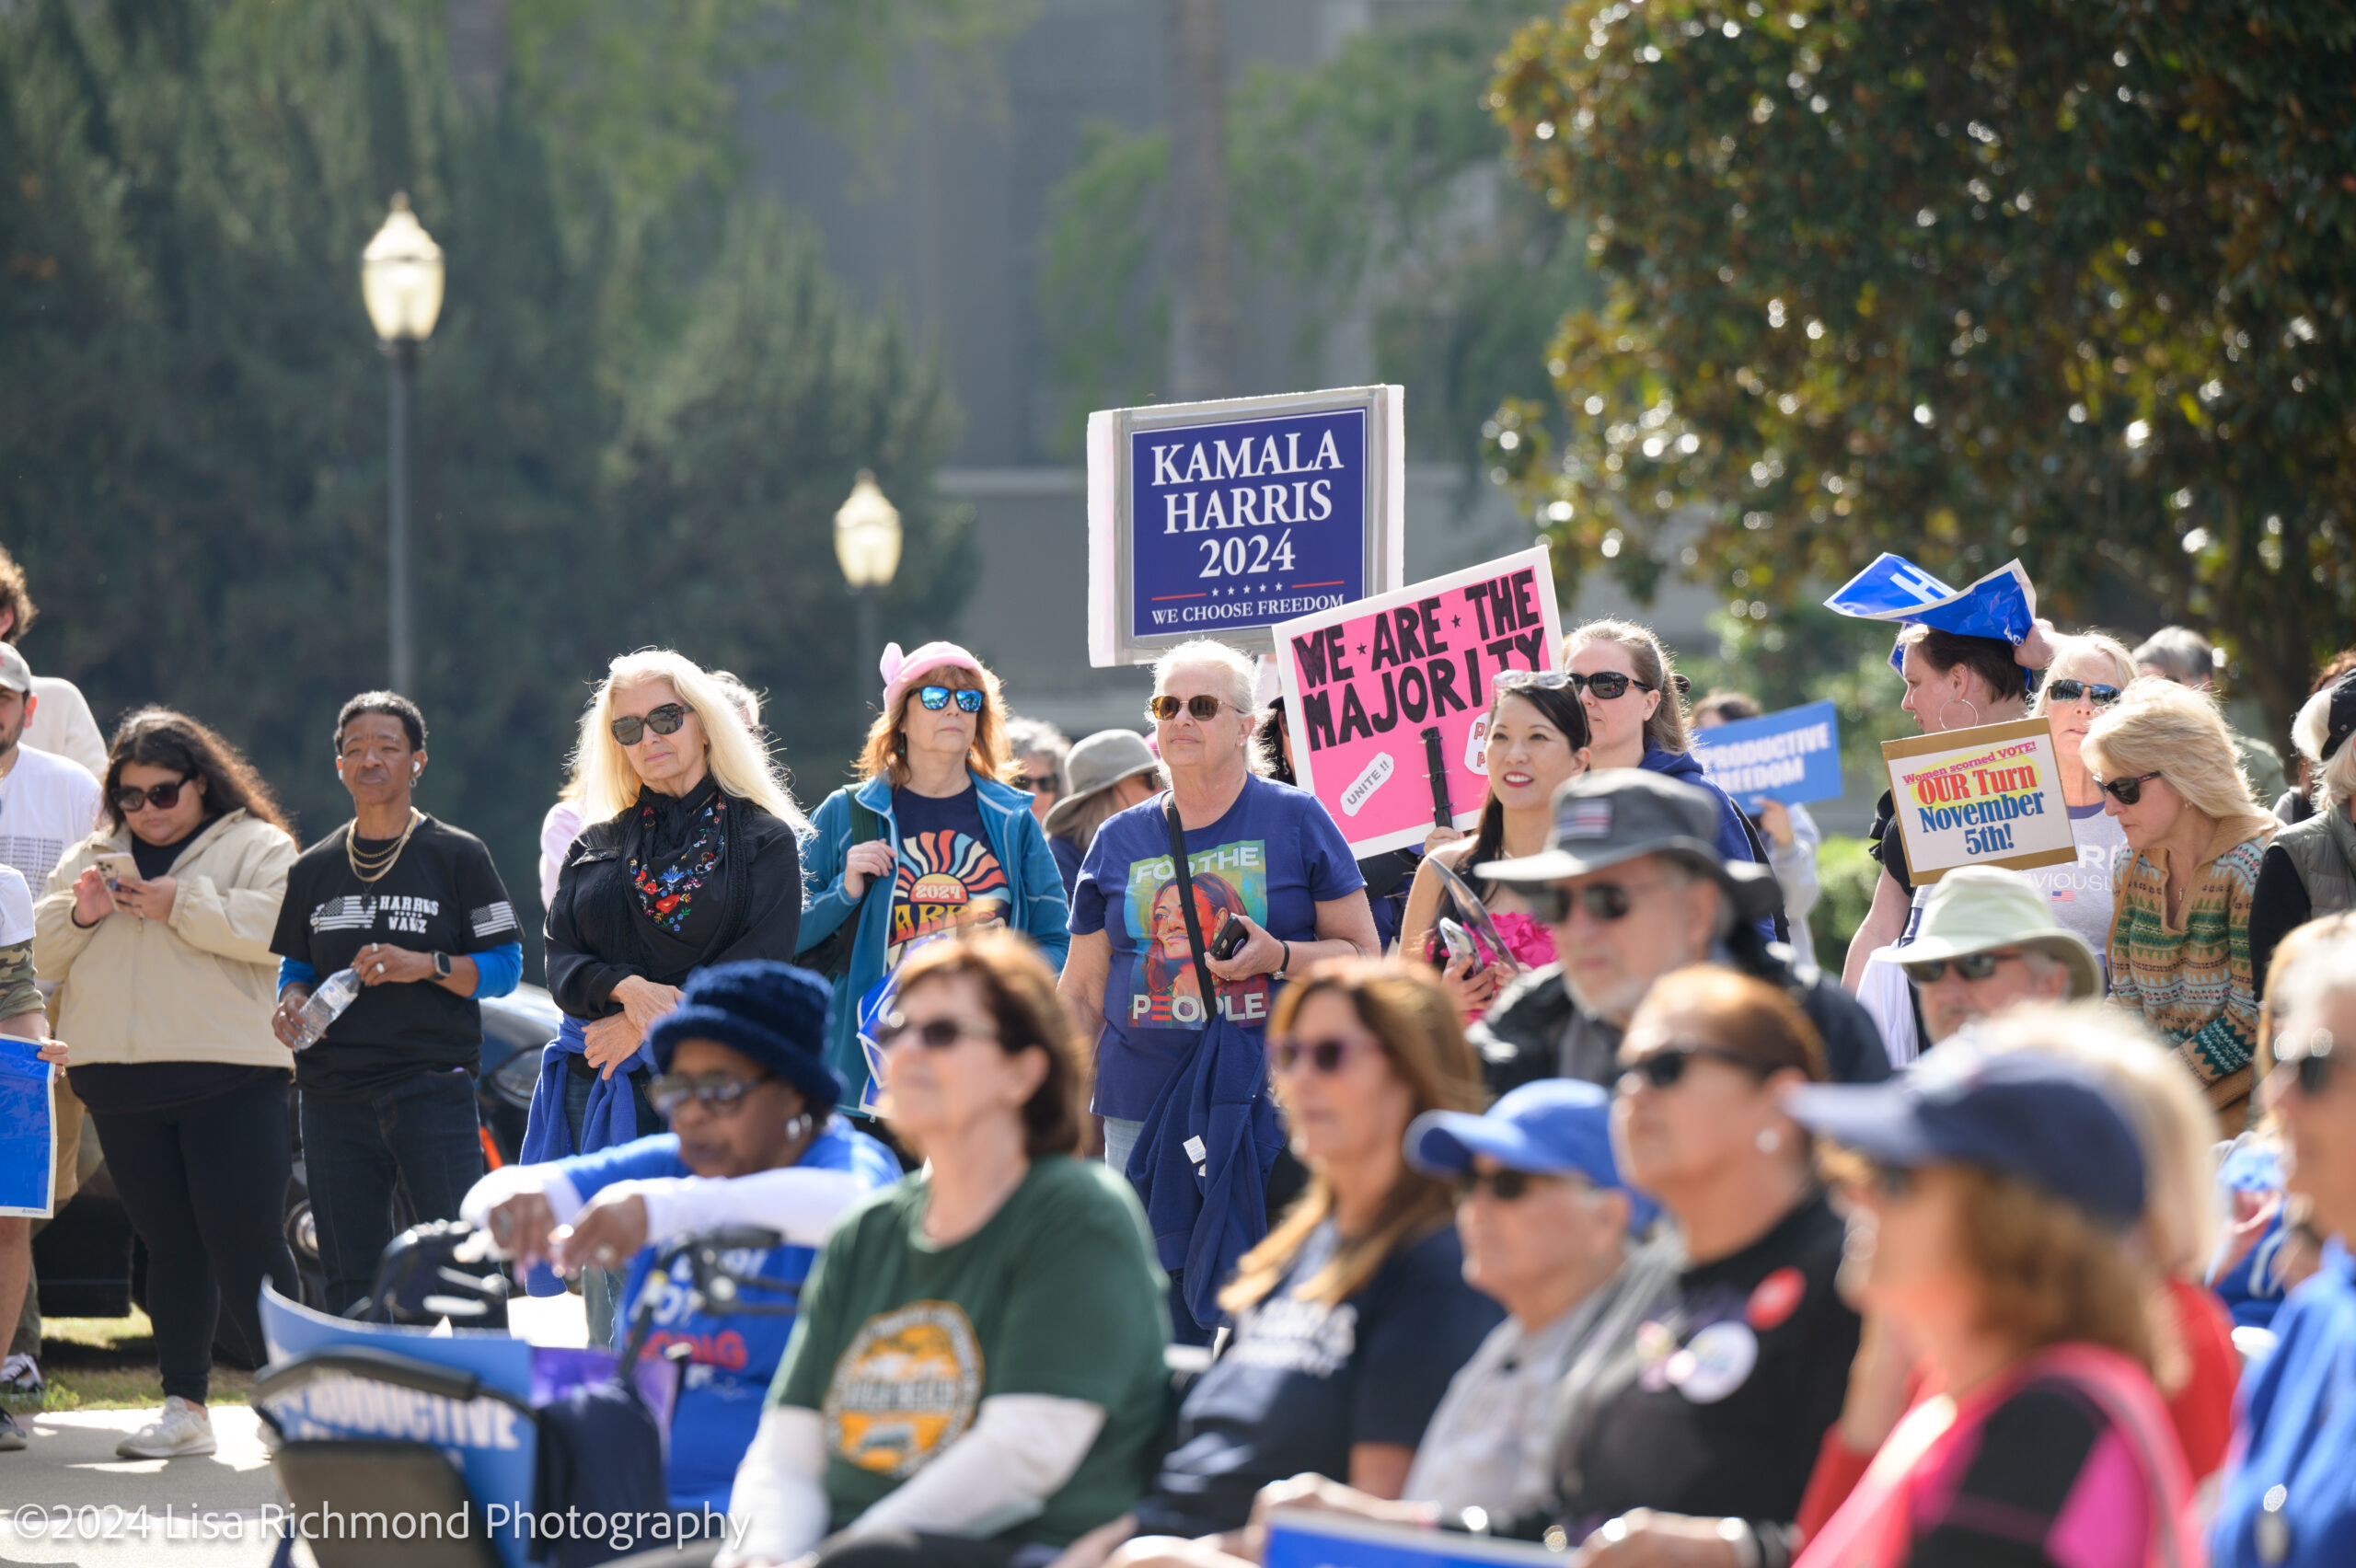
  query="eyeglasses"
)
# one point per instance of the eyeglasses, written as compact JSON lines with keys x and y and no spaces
{"x":1607,"y":684}
{"x":1551,"y":902}
{"x":2128,"y":790}
{"x":722,"y":1094}
{"x":1970,"y":966}
{"x":933,"y":1034}
{"x":1204,"y":709}
{"x":163,"y":797}
{"x":2073,"y":691}
{"x":1665,"y":1069}
{"x":1039,"y":784}
{"x":2312,"y":1069}
{"x":630,"y":728}
{"x":1324,"y":1055}
{"x":936,"y":698}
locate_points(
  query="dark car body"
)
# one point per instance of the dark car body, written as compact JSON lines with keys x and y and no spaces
{"x":90,"y":1261}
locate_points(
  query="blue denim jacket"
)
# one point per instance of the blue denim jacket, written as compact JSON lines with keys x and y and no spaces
{"x":1034,"y":891}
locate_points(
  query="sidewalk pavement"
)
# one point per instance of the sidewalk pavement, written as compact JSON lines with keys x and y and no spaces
{"x":66,"y":1498}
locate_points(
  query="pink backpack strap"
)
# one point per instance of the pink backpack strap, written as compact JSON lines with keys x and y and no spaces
{"x":2123,"y":1392}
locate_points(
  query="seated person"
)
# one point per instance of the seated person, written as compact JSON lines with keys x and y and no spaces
{"x":976,"y":1378}
{"x":1354,"y":1313}
{"x":1988,"y":942}
{"x":746,"y":1088}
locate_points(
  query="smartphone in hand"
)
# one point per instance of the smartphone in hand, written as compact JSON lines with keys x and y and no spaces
{"x":116,"y":866}
{"x":1457,"y":941}
{"x":1229,"y":940}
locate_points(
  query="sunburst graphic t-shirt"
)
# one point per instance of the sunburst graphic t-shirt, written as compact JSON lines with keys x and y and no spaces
{"x":947,"y":874}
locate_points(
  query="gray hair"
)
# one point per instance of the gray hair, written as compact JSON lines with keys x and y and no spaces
{"x":1237,"y":673}
{"x":2085,"y":645}
{"x":2184,"y":653}
{"x":2335,"y":782}
{"x":2319,"y":972}
{"x":1030,"y":738}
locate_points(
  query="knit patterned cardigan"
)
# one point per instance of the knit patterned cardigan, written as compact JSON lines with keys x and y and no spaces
{"x":2192,"y":984}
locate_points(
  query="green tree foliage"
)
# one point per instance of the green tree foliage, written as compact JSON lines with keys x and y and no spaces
{"x":192,"y":427}
{"x":1968,"y":280}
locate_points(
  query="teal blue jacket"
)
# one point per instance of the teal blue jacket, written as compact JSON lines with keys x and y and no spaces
{"x":1035,"y":892}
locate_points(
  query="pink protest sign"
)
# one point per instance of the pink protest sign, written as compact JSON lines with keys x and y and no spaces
{"x":1378,"y":688}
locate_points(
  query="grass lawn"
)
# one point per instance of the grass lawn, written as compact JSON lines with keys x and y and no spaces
{"x":109,"y":1364}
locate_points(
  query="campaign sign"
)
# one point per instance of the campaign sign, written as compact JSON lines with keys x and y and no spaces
{"x":1305,"y":1538}
{"x":1793,"y":757}
{"x":1989,"y":796}
{"x":1374,"y":690}
{"x":492,"y":1443}
{"x":1222,"y":519}
{"x":28,"y":1131}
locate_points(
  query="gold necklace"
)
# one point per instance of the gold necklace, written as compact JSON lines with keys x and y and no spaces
{"x":371,"y":867}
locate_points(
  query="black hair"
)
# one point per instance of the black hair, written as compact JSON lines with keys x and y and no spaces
{"x":157,"y":737}
{"x":1562,"y":707}
{"x":1989,"y":658}
{"x":393,"y":705}
{"x":1271,"y":742}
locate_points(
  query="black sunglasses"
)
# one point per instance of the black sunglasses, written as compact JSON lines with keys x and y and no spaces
{"x":1550,"y":903}
{"x":2127,"y":790}
{"x":629,"y":729}
{"x":1166,"y":708}
{"x":722,"y":1094}
{"x":163,"y":797}
{"x":2312,"y":1069}
{"x":1607,"y":684}
{"x":1970,"y":966}
{"x":1894,"y":1183}
{"x":1665,"y":1069}
{"x":2072,"y":691}
{"x":936,"y":698}
{"x":1045,"y":784}
{"x":933,"y":1034}
{"x":1506,"y":1186}
{"x":1324,"y":1055}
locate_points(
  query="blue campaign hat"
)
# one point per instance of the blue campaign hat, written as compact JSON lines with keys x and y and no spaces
{"x":2000,"y":606}
{"x":772,"y":1012}
{"x":2043,"y":1120}
{"x":1545,"y":1128}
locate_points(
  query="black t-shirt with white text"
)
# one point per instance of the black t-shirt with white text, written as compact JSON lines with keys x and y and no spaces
{"x":441,"y":896}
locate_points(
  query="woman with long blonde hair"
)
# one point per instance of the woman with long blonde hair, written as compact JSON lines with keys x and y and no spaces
{"x":690,"y":859}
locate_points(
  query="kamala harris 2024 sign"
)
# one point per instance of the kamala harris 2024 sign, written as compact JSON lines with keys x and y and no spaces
{"x":1222,"y":519}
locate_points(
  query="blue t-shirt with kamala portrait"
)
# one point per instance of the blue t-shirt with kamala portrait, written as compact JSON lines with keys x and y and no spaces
{"x":1273,"y":858}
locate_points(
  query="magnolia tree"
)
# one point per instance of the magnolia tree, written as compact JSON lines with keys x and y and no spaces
{"x":2071,"y":280}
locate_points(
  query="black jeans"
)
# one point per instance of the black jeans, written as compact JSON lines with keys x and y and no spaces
{"x":205,"y":1187}
{"x":420,"y":1133}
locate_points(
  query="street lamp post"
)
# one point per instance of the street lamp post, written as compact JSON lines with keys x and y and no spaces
{"x":866,"y":544}
{"x":400,"y":282}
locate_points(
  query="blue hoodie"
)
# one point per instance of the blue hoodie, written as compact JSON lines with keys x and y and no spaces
{"x":1734,"y":835}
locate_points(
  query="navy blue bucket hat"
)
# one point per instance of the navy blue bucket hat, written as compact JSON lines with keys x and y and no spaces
{"x":769,"y":1011}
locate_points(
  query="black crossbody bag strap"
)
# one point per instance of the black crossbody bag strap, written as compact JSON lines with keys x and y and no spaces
{"x":1186,"y":903}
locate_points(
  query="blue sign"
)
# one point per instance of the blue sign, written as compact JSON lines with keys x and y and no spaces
{"x":2000,"y":606}
{"x":27,"y":1130}
{"x":1300,"y":1538}
{"x":1792,"y":757}
{"x":1223,"y":519}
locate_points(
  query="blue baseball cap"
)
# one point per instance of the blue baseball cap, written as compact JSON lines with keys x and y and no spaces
{"x":1545,"y":1128}
{"x":2045,"y":1121}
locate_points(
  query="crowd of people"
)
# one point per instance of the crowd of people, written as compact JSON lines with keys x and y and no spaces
{"x":1140,"y":1162}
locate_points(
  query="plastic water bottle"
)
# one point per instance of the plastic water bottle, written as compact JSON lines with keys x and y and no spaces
{"x":336,"y":993}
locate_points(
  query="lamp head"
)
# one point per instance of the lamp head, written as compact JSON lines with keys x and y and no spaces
{"x":400,"y":277}
{"x":867,"y":535}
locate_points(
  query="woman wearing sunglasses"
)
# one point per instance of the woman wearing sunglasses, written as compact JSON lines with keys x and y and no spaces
{"x":689,"y":861}
{"x":1537,"y":740}
{"x":1635,"y":710}
{"x":165,"y":980}
{"x":930,"y":839}
{"x":2089,"y":673}
{"x":1354,"y":1313}
{"x":745,"y":1087}
{"x":976,"y":1378}
{"x":1991,"y":1196}
{"x":2287,"y":1500}
{"x":2179,"y":941}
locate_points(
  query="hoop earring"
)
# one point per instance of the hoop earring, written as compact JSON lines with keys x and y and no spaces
{"x":796,"y":1126}
{"x":1950,"y":702}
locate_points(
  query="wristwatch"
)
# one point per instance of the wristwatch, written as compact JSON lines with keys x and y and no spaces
{"x":441,"y":966}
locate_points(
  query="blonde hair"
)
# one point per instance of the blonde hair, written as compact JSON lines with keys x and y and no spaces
{"x":1667,"y":730}
{"x":2172,"y":731}
{"x":2174,"y":1125}
{"x":610,"y":786}
{"x":2100,"y":643}
{"x":886,"y":753}
{"x":1415,"y":1023}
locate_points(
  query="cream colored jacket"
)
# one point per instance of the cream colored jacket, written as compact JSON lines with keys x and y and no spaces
{"x":197,"y":987}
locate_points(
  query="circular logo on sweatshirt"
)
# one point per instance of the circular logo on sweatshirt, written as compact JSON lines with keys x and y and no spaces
{"x":906,"y":1388}
{"x":1715,"y":1363}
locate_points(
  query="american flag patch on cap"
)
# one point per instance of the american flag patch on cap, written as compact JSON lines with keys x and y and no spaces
{"x":1585,"y":819}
